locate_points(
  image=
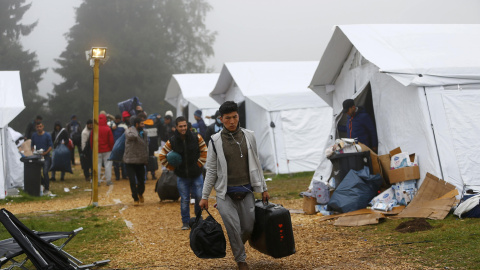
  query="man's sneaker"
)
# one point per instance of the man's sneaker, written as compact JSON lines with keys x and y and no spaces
{"x":46,"y":192}
{"x":109,"y":183}
{"x":136,"y":203}
{"x":185,"y":226}
{"x":140,"y":198}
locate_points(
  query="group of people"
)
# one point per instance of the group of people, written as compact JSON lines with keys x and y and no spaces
{"x":224,"y":152}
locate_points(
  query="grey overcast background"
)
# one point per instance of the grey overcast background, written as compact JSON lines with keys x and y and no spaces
{"x":258,"y":30}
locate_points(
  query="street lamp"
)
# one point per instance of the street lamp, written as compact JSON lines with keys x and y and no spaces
{"x":96,"y":55}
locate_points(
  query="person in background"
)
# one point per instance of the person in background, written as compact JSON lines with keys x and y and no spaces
{"x":126,"y":118}
{"x":200,"y":125}
{"x":151,"y":129}
{"x":213,"y":128}
{"x":59,"y":136}
{"x":86,"y":154}
{"x":136,"y":158}
{"x":43,"y":140}
{"x":74,"y":130}
{"x":31,"y":127}
{"x":168,"y":127}
{"x":234,"y":169}
{"x":359,"y":125}
{"x":105,"y":146}
{"x":193,"y":151}
{"x":119,"y":130}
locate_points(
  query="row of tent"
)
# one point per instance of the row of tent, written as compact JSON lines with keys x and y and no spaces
{"x":420,"y":83}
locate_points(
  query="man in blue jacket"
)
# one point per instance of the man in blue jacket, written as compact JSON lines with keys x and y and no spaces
{"x":360,"y":125}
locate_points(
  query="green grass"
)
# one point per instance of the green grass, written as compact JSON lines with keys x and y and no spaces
{"x":287,"y":186}
{"x":89,"y":244}
{"x":452,"y":242}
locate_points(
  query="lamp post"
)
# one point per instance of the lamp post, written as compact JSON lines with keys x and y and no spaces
{"x":96,"y":56}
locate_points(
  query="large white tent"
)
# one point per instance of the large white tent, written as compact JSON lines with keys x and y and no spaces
{"x":11,"y":104}
{"x":290,"y":122}
{"x":423,"y":84}
{"x":190,"y":92}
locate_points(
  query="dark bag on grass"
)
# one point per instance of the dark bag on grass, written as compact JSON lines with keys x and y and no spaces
{"x":166,"y":186}
{"x":206,"y":238}
{"x":356,"y":190}
{"x":61,"y":159}
{"x":118,"y":149}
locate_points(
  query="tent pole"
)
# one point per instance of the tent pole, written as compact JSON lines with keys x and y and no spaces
{"x":433,"y":131}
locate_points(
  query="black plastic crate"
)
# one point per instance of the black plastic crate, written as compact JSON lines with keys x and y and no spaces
{"x":343,"y":163}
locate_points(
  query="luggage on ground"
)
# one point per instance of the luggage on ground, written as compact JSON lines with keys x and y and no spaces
{"x":152,"y":164}
{"x":206,"y":238}
{"x":356,"y":190}
{"x":272,"y":233}
{"x":61,"y":159}
{"x":166,"y":186}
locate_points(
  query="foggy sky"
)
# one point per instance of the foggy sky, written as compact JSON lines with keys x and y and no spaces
{"x":259,"y":30}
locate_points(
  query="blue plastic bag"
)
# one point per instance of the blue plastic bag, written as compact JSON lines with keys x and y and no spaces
{"x":129,"y":105}
{"x":61,"y":160}
{"x":356,"y":190}
{"x":118,"y":149}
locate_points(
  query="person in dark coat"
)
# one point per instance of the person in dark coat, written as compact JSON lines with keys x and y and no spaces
{"x":31,"y":127}
{"x":74,"y":130}
{"x":360,"y":125}
{"x":120,"y":129}
{"x":59,"y":136}
{"x":200,"y":125}
{"x":213,"y":128}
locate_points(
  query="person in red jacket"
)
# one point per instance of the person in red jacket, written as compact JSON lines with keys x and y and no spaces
{"x":105,"y":146}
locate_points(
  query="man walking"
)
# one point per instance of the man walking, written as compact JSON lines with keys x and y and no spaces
{"x":32,"y":127}
{"x":213,"y":128}
{"x":234,"y":169}
{"x":200,"y":125}
{"x":43,"y":140}
{"x":74,"y":129}
{"x":136,"y":157}
{"x":86,"y":154}
{"x":360,"y":125}
{"x":105,"y":146}
{"x":193,"y":151}
{"x":117,"y":133}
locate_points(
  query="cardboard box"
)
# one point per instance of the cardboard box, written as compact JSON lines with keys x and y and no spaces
{"x":375,"y":164}
{"x":404,"y":174}
{"x":309,"y":205}
{"x":385,"y":164}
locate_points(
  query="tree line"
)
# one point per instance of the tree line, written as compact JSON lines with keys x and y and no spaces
{"x":147,"y":41}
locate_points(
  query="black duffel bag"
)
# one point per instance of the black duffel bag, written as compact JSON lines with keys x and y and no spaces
{"x":206,"y":238}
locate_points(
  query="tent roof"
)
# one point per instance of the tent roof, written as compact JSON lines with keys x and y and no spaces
{"x":289,"y":101}
{"x":423,"y":55}
{"x":11,"y":98}
{"x":264,"y":78}
{"x":194,"y":88}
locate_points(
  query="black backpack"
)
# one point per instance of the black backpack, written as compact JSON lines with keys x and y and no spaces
{"x":206,"y":238}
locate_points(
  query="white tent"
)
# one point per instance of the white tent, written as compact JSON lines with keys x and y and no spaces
{"x":190,"y":92}
{"x":11,"y":104}
{"x":289,"y":121}
{"x":423,"y":84}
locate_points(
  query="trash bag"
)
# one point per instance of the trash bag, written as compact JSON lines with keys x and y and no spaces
{"x":207,"y":240}
{"x":118,"y":149}
{"x":129,"y":105}
{"x":61,"y":159}
{"x":356,"y":190}
{"x":321,"y":192}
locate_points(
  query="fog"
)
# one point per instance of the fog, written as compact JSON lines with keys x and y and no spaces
{"x":258,"y":30}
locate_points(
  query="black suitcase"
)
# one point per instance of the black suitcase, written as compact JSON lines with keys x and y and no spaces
{"x":166,"y":186}
{"x":152,"y":164}
{"x":272,"y":233}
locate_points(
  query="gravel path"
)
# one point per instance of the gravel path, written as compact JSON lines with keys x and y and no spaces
{"x":158,"y":243}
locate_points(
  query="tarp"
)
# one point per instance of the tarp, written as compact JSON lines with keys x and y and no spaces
{"x":288,"y":119}
{"x":424,"y":82}
{"x":11,"y":104}
{"x":192,"y":91}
